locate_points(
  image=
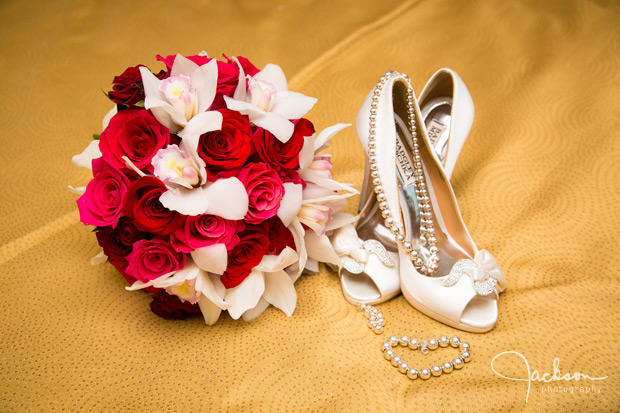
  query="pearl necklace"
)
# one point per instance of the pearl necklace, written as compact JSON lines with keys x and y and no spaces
{"x":425,"y":346}
{"x":427,"y":226}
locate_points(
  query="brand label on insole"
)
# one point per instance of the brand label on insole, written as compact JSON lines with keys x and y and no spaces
{"x":435,"y":129}
{"x":404,"y":164}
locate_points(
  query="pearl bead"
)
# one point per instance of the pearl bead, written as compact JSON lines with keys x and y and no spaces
{"x":395,"y":230}
{"x":396,"y":360}
{"x":400,"y":239}
{"x":407,"y":246}
{"x":403,"y":341}
{"x":376,"y":181}
{"x":412,"y":374}
{"x":403,"y":368}
{"x":389,"y":354}
{"x":433,"y":267}
{"x":447,"y":367}
{"x":436,"y":370}
{"x":443,"y":341}
{"x":454,"y":341}
{"x":425,"y":374}
{"x":383,"y":205}
{"x":393,"y":341}
{"x":433,"y":249}
{"x":413,"y":255}
{"x":389,"y":221}
{"x":432,"y":344}
{"x":375,"y":174}
{"x":378,"y":329}
{"x":413,"y":343}
{"x":458,"y":363}
{"x":386,"y":213}
{"x":381,"y":197}
{"x":385,"y":346}
{"x":464,"y":346}
{"x":378,"y":189}
{"x":466,"y":356}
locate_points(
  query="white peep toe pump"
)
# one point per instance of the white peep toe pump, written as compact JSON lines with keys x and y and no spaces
{"x":442,"y":273}
{"x":448,"y":113}
{"x":369,"y":259}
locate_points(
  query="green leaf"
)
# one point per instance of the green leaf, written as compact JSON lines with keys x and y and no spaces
{"x":96,"y":136}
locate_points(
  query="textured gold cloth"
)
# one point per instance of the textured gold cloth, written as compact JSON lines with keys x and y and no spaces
{"x":538,"y":183}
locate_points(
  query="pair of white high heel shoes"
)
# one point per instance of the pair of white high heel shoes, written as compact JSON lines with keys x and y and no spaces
{"x":410,"y":235}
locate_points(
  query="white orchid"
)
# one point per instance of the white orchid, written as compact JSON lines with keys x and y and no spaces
{"x":321,"y":205}
{"x":267,"y":101}
{"x":181,"y":101}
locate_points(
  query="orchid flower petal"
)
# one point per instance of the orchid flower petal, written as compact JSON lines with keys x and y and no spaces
{"x":204,"y":79}
{"x":339,"y":220}
{"x":320,"y":248}
{"x":166,"y":114}
{"x":240,"y":91}
{"x":312,"y":266}
{"x":246,"y":295}
{"x":252,"y":313}
{"x":85,"y":159}
{"x":189,"y":272}
{"x":212,"y":258}
{"x":290,"y":203}
{"x":306,"y":156}
{"x":300,"y":246}
{"x":322,"y":141}
{"x":182,"y":66}
{"x":108,"y":116}
{"x":212,"y":288}
{"x":186,"y":201}
{"x":271,"y":263}
{"x":273,"y":74}
{"x":280,"y":292}
{"x":292,"y":105}
{"x":151,"y":85}
{"x":99,"y":258}
{"x":133,"y":167}
{"x":281,"y":128}
{"x":245,"y":108}
{"x":210,"y":311}
{"x":79,"y":190}
{"x":226,"y":198}
{"x":202,"y":123}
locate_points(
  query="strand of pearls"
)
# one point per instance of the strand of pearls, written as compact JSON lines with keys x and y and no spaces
{"x":425,"y":266}
{"x":376,"y":323}
{"x":425,"y":346}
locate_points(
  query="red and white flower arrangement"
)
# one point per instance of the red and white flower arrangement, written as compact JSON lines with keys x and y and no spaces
{"x":208,"y":188}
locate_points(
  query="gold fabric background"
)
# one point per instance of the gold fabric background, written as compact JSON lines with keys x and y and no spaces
{"x":538,"y":183}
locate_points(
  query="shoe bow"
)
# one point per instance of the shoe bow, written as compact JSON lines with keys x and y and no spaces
{"x":354,"y":252}
{"x":484,"y":271}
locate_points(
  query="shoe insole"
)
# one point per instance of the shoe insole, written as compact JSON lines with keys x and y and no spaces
{"x":437,"y":116}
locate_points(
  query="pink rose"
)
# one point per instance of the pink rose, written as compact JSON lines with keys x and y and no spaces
{"x":265,"y":191}
{"x":102,"y":202}
{"x":204,"y":230}
{"x":150,"y":259}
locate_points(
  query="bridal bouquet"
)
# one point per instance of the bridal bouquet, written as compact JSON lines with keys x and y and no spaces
{"x":208,"y":188}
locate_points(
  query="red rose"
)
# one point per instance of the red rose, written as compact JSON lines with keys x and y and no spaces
{"x":143,"y":206}
{"x":101,"y":204}
{"x":171,"y":307}
{"x":117,"y":242}
{"x":265,"y":191}
{"x":150,"y":259}
{"x":204,"y":230}
{"x":127,"y":89}
{"x":247,"y":254}
{"x":228,"y":149}
{"x":134,"y":133}
{"x":282,"y":155}
{"x":227,"y":75}
{"x":280,"y":237}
